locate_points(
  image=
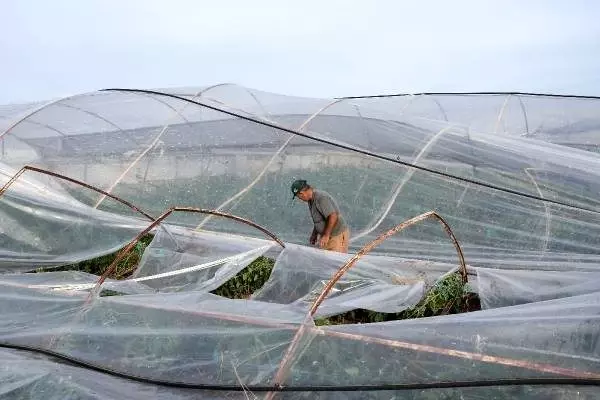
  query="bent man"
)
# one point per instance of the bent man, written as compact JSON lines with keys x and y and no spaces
{"x":330,"y":231}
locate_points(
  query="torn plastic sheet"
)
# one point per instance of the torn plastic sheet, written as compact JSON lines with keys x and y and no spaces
{"x":28,"y":375}
{"x":202,"y":338}
{"x":180,"y":259}
{"x":504,"y":287}
{"x":25,"y":374}
{"x":550,"y":338}
{"x":50,"y":279}
{"x":157,"y":151}
{"x":42,"y":226}
{"x":378,"y":283}
{"x":68,"y":281}
{"x":185,"y":337}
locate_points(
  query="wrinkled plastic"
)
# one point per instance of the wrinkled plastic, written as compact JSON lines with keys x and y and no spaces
{"x":502,"y":288}
{"x":158,"y":151}
{"x":183,"y":260}
{"x":513,"y":342}
{"x":43,"y":226}
{"x":378,"y":283}
{"x":485,"y":163}
{"x":28,"y":375}
{"x":202,"y":338}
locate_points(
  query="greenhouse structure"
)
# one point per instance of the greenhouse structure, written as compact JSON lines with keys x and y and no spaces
{"x":501,"y":190}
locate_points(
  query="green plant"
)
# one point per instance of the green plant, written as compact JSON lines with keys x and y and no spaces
{"x":448,"y":296}
{"x":98,"y":265}
{"x":445,"y":297}
{"x":248,"y":280}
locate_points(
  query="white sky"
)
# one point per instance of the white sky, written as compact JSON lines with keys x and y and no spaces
{"x":307,"y":48}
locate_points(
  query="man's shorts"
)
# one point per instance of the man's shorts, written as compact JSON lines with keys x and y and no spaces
{"x":339,"y":243}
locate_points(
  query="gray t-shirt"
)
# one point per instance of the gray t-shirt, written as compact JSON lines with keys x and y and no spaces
{"x":320,"y":207}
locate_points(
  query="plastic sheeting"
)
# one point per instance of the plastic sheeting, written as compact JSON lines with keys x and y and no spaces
{"x":26,"y":375}
{"x":182,"y":260}
{"x":202,"y":338}
{"x":542,"y":333}
{"x":68,"y":281}
{"x":42,"y":225}
{"x":378,"y":283}
{"x":183,"y":337}
{"x":30,"y":376}
{"x":486,"y":163}
{"x":502,"y":288}
{"x":157,"y":151}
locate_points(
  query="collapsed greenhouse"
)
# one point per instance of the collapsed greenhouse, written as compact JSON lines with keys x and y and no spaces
{"x":505,"y":189}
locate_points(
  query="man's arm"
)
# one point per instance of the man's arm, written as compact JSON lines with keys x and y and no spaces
{"x":331,"y":221}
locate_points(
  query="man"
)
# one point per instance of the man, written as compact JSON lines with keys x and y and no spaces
{"x":330,"y":231}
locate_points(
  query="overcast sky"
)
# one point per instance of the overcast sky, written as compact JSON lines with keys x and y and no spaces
{"x":307,"y":48}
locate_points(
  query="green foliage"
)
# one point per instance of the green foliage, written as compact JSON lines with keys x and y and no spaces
{"x":248,"y":280}
{"x":108,"y":292}
{"x":98,"y":265}
{"x":448,"y":296}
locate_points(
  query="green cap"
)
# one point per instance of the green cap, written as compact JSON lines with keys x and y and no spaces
{"x":297,"y":186}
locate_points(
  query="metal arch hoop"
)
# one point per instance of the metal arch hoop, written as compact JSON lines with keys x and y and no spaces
{"x":37,"y":110}
{"x":263,"y":109}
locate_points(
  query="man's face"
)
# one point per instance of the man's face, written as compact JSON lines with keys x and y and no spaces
{"x":304,"y":194}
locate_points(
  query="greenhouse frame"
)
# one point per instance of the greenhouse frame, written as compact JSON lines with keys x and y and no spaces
{"x":499,"y":189}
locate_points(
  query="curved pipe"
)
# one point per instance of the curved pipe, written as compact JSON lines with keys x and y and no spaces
{"x":405,"y":179}
{"x":164,"y":129}
{"x":357,"y":108}
{"x":319,"y":111}
{"x":155,"y":221}
{"x":441,"y":108}
{"x":370,"y":246}
{"x":501,"y":114}
{"x":151,"y":146}
{"x":37,"y":110}
{"x":524,"y":111}
{"x":164,"y":103}
{"x":206,"y":89}
{"x":93,"y":114}
{"x":78,"y":182}
{"x":60,"y":100}
{"x":251,"y":184}
{"x":287,"y":359}
{"x":412,"y":101}
{"x":547,"y":209}
{"x":271,"y":160}
{"x":143,"y":153}
{"x":260,"y":105}
{"x":29,"y":121}
{"x":359,"y":150}
{"x":158,"y":220}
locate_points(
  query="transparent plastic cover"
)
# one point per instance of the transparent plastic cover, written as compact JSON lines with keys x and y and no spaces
{"x":516,"y":177}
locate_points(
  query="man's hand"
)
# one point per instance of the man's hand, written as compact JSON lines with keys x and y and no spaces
{"x":331,"y":221}
{"x":323,"y":241}
{"x":313,"y":238}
